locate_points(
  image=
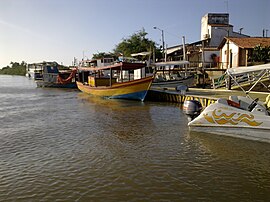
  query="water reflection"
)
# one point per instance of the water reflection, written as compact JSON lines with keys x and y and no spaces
{"x":247,"y":152}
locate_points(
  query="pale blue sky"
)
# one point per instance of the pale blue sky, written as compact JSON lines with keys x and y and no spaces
{"x":59,"y":30}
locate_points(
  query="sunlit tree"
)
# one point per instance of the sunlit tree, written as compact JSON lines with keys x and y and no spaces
{"x":137,"y":43}
{"x":261,"y":54}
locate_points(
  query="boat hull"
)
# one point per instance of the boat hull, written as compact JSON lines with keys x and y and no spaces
{"x":174,"y":83}
{"x":261,"y":135}
{"x":135,"y":90}
{"x":230,"y":121}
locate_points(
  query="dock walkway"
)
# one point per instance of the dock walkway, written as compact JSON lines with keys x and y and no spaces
{"x":205,"y":96}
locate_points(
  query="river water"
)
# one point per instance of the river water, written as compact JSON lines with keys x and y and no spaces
{"x":63,"y":145}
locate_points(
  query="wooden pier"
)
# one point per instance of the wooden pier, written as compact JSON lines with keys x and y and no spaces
{"x":177,"y":97}
{"x":204,"y":96}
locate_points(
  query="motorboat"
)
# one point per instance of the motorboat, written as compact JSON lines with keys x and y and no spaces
{"x":237,"y":116}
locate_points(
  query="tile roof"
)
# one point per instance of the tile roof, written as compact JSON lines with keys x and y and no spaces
{"x":250,"y":42}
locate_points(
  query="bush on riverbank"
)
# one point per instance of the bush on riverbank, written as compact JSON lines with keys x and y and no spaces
{"x":15,"y":69}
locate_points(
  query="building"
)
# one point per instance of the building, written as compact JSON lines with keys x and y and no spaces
{"x":214,"y":27}
{"x":240,"y":49}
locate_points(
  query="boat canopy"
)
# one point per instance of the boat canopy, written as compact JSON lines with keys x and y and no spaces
{"x":140,"y":54}
{"x":170,"y":63}
{"x":116,"y":66}
{"x":245,"y":70}
{"x":171,"y":50}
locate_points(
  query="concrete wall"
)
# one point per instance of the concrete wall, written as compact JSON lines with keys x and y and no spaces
{"x":216,"y":27}
{"x":233,"y":52}
{"x":218,"y":19}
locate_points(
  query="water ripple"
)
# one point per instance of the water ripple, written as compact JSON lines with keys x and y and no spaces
{"x":63,"y":145}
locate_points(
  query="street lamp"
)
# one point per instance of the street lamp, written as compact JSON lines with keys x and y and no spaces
{"x":162,"y":35}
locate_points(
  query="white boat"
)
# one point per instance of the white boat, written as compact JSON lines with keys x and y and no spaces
{"x":238,"y":116}
{"x":167,"y":74}
{"x":34,"y":71}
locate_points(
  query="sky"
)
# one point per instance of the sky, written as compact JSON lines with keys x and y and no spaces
{"x":59,"y":30}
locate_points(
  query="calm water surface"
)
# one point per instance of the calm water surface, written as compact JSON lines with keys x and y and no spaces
{"x":63,"y":145}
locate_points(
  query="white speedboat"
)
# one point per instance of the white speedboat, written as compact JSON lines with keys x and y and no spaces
{"x":237,"y":116}
{"x":246,"y":118}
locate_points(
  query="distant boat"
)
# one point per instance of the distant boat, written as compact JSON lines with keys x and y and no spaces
{"x":122,"y":80}
{"x":168,"y":76}
{"x":53,"y":78}
{"x":34,"y":71}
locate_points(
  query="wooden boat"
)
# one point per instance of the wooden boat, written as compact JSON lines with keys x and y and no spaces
{"x":122,"y":80}
{"x":53,"y":78}
{"x":164,"y":77}
{"x":238,"y":116}
{"x":169,"y":74}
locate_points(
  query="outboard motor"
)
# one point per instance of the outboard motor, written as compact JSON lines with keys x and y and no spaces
{"x":192,"y":108}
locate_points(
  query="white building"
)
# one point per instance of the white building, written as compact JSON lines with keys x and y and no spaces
{"x":240,"y":49}
{"x":215,"y":26}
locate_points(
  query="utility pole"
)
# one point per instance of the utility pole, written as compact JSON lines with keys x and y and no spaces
{"x":184,"y":48}
{"x":163,"y":43}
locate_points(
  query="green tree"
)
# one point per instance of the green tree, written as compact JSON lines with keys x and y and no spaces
{"x":15,"y":69}
{"x":103,"y":55}
{"x":261,"y":54}
{"x":136,"y":43}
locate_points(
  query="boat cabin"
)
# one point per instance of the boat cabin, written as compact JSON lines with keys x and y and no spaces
{"x":34,"y":71}
{"x":50,"y":73}
{"x":95,"y":63}
{"x":108,"y":75}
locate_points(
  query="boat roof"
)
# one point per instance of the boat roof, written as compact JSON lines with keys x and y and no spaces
{"x":159,"y":64}
{"x":244,"y":70}
{"x":141,"y":53}
{"x":116,"y":66}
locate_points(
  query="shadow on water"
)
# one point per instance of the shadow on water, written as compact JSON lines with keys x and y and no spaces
{"x":250,"y":153}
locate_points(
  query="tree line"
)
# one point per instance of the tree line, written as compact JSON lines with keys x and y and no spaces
{"x":15,"y":69}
